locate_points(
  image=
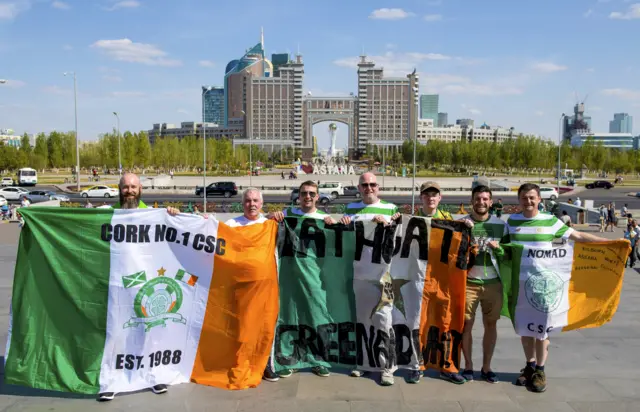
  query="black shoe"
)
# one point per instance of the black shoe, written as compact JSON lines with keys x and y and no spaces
{"x":490,"y":376}
{"x":158,"y":389}
{"x":106,"y":396}
{"x":452,"y":377}
{"x":525,"y":377}
{"x":269,"y":375}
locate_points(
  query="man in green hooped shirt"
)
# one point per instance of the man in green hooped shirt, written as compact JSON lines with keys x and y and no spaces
{"x":484,"y":287}
{"x":308,"y":197}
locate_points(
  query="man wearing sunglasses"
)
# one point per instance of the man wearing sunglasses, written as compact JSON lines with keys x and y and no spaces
{"x":376,"y":210}
{"x":307,"y":210}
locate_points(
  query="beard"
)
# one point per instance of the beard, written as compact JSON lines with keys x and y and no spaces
{"x":129,"y":202}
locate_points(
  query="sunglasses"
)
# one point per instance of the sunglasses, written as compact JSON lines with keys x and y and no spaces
{"x":371,"y":185}
{"x":311,"y":194}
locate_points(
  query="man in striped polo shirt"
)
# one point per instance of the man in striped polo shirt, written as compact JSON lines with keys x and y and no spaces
{"x":308,"y":197}
{"x":535,"y":229}
{"x":371,"y":209}
{"x":483,"y":284}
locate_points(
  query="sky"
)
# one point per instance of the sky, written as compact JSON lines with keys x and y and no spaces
{"x":503,"y":62}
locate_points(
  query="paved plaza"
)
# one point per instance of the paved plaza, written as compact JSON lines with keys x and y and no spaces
{"x":589,"y":370}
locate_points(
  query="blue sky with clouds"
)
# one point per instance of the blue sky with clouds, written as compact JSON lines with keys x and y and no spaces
{"x":504,"y":62}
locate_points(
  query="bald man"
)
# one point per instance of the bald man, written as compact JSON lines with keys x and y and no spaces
{"x":130,"y":192}
{"x":376,"y":210}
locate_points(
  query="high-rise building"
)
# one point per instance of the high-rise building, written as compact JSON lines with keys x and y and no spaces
{"x":387,"y":106}
{"x":279,"y":59}
{"x":429,"y":107}
{"x":443,"y":120}
{"x":576,"y":124}
{"x":621,"y":123}
{"x":237,"y":72}
{"x":274,"y":107}
{"x":213,"y":105}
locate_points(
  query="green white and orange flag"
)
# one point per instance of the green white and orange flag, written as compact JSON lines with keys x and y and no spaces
{"x":574,"y":286}
{"x":114,"y":301}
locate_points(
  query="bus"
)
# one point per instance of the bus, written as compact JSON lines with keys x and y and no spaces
{"x":27,"y":177}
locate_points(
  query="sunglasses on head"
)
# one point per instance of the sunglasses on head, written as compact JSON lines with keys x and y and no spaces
{"x":371,"y":185}
{"x":311,"y":194}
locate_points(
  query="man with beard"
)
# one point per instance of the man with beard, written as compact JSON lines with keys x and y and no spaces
{"x":130,"y":192}
{"x":371,"y":208}
{"x":484,"y":287}
{"x":251,"y":205}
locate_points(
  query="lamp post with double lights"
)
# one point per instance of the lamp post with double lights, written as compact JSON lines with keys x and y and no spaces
{"x":205,"y":90}
{"x":119,"y":157}
{"x":75,"y":108}
{"x":413,"y":94}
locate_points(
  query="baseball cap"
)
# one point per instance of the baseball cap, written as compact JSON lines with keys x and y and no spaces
{"x":429,"y":185}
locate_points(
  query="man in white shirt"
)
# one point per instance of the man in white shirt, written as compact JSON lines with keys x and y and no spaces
{"x":578,"y":202}
{"x":251,"y":204}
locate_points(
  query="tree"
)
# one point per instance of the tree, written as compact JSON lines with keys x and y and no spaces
{"x":41,"y":152}
{"x":25,"y":144}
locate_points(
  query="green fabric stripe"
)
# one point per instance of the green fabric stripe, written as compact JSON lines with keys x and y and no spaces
{"x":510,"y":276}
{"x":483,"y":281}
{"x":532,"y":222}
{"x":60,"y":295}
{"x":563,"y":229}
{"x":534,"y":237}
{"x":372,"y":210}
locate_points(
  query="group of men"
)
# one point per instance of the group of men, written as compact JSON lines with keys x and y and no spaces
{"x":484,"y":288}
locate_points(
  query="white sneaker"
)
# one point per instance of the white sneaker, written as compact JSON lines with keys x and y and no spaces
{"x":106,"y":396}
{"x":357,"y":374}
{"x":386,"y":378}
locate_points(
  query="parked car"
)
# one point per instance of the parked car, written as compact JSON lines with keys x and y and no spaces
{"x":12,"y":193}
{"x":36,"y":196}
{"x":352,"y":191}
{"x":3,"y":201}
{"x":324,"y":199}
{"x":599,"y":184}
{"x":549,"y":193}
{"x":334,"y":189}
{"x":226,"y":189}
{"x":6,"y":181}
{"x":100,"y":191}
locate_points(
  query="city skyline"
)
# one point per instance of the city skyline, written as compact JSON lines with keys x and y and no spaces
{"x":125,"y":63}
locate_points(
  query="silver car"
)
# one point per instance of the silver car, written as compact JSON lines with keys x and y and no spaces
{"x":36,"y":196}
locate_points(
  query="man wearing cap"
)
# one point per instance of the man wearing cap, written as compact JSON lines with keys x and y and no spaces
{"x":431,"y":197}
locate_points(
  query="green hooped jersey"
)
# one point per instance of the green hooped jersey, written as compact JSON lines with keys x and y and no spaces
{"x":538,"y":231}
{"x":363,"y":211}
{"x":296,"y":211}
{"x":485,"y":269}
{"x":141,"y":205}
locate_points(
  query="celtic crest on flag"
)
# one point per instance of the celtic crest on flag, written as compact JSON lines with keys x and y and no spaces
{"x":159,"y":299}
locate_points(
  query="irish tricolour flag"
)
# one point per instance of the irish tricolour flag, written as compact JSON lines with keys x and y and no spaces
{"x":113,"y":301}
{"x":571,"y":287}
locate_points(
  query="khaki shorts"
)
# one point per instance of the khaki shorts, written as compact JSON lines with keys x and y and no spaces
{"x":489,"y":296}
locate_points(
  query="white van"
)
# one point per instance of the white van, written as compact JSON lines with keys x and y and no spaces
{"x":333,"y":189}
{"x":27,"y":177}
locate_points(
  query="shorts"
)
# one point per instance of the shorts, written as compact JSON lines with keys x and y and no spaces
{"x":488,"y":296}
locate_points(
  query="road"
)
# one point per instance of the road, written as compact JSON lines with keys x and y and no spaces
{"x":599,"y":196}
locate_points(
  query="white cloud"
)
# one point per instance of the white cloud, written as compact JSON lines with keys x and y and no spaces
{"x":127,"y":94}
{"x":433,"y":17}
{"x":112,"y":79}
{"x":395,"y":63}
{"x":67,"y":47}
{"x":591,"y":70}
{"x":183,"y":111}
{"x":206,"y":63}
{"x":539,"y":113}
{"x":127,"y":51}
{"x":57,"y":90}
{"x":632,"y":13}
{"x":475,"y":111}
{"x":481,"y":89}
{"x":628,"y":94}
{"x":434,"y":3}
{"x":61,"y":5}
{"x":390,"y":14}
{"x":470,"y":109}
{"x":548,"y":67}
{"x":588,"y":13}
{"x":9,"y":10}
{"x":391,"y":46}
{"x":126,"y":4}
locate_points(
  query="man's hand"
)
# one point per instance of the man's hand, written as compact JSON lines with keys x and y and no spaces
{"x":277,"y":216}
{"x":395,"y":216}
{"x":329,"y":220}
{"x":379,"y":219}
{"x":173,"y":211}
{"x":345,"y":220}
{"x":493,"y":244}
{"x":468,"y":223}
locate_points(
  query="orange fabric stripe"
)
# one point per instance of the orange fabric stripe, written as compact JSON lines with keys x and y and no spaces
{"x":192,"y":280}
{"x":443,"y":299}
{"x":242,"y":309}
{"x":595,"y":286}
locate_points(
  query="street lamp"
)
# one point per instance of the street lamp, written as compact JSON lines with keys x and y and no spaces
{"x":119,"y":157}
{"x":559,"y":147}
{"x":75,"y":109}
{"x":250,"y":156}
{"x":204,"y":147}
{"x":415,"y":141}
